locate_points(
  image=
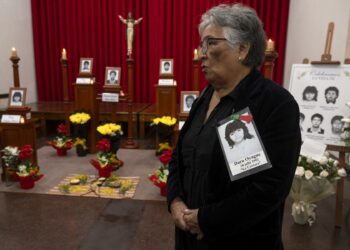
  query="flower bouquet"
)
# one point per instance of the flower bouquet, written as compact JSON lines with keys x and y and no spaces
{"x":61,"y":142}
{"x":27,"y":174}
{"x":345,"y":136}
{"x":113,"y":133}
{"x":11,"y":159}
{"x":106,"y":161}
{"x":160,"y":176}
{"x":165,"y":127}
{"x":313,"y":181}
{"x":80,"y":130}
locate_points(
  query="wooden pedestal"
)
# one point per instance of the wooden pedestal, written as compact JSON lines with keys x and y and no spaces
{"x":166,"y":100}
{"x":86,"y":99}
{"x":18,"y":135}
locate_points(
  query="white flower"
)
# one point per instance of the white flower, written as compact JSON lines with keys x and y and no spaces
{"x":326,"y":153}
{"x":342,"y":172}
{"x":336,"y":163}
{"x":299,"y":159}
{"x":345,"y":135}
{"x":308,"y":174}
{"x":309,"y":160}
{"x":166,"y":171}
{"x":299,"y":171}
{"x":323,"y":160}
{"x":348,"y":104}
{"x":324,"y":173}
{"x":346,"y":119}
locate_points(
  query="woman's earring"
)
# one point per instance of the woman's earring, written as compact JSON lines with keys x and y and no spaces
{"x":239,"y":59}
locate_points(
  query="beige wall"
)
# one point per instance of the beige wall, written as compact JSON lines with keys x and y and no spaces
{"x":16,"y":31}
{"x":307,"y":27}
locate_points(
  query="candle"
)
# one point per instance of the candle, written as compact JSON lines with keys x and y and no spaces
{"x":64,"y":54}
{"x":195,"y":54}
{"x":270,"y":45}
{"x":14,"y":52}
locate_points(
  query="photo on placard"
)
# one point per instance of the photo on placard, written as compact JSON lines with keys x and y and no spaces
{"x":166,"y":67}
{"x":17,"y":97}
{"x":241,"y":145}
{"x":112,"y":76}
{"x":86,"y":65}
{"x":187,"y":99}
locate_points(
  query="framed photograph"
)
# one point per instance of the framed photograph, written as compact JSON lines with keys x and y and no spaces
{"x":187,"y":99}
{"x":166,"y":67}
{"x":86,"y":65}
{"x":17,"y":97}
{"x":241,"y":144}
{"x":112,"y":76}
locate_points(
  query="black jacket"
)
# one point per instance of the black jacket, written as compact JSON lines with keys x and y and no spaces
{"x":247,"y":213}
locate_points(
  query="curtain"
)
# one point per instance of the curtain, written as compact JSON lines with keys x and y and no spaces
{"x":91,"y":28}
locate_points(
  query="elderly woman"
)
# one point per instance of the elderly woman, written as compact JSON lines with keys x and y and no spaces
{"x":210,"y":211}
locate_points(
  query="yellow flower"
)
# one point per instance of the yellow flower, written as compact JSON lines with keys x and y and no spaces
{"x":111,"y":129}
{"x":79,"y":118}
{"x":167,"y":120}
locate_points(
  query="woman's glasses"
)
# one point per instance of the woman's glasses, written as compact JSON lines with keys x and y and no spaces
{"x":207,"y":42}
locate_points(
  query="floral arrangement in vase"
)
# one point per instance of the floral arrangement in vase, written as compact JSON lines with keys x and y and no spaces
{"x":165,"y":127}
{"x":26,"y":172}
{"x":160,"y":176}
{"x":345,"y":136}
{"x":80,"y":130}
{"x":61,"y":142}
{"x":313,"y":181}
{"x":10,"y":156}
{"x":113,"y":133}
{"x":106,"y":161}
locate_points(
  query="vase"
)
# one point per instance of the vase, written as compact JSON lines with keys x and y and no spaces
{"x":80,"y":130}
{"x":303,"y":212}
{"x":81,"y":151}
{"x":26,"y":183}
{"x":105,"y":172}
{"x":164,"y":132}
{"x":61,"y":151}
{"x":163,"y":190}
{"x":114,"y":144}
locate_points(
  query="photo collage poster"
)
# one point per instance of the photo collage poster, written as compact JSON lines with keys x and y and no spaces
{"x":242,"y":146}
{"x":322,"y":92}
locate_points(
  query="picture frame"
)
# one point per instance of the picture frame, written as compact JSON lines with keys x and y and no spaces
{"x":112,"y":77}
{"x":166,"y":67}
{"x":86,"y":66}
{"x":17,"y":97}
{"x":186,"y":101}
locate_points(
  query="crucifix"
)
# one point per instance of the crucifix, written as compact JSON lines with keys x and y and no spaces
{"x":130,"y":23}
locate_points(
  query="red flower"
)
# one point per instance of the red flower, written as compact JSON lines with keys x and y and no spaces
{"x":25,"y":152}
{"x":103,"y":145}
{"x":165,"y":158}
{"x":62,"y":129}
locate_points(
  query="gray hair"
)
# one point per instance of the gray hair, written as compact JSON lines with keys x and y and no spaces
{"x":241,"y":24}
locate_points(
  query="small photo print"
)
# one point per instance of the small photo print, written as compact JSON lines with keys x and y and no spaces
{"x":187,"y":99}
{"x":86,"y":65}
{"x":241,"y":145}
{"x":112,"y":76}
{"x":17,"y":97}
{"x":166,"y":67}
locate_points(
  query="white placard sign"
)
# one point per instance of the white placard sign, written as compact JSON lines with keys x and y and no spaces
{"x":313,"y":149}
{"x":10,"y":119}
{"x":322,"y":92}
{"x":110,"y":97}
{"x":84,"y":80}
{"x":166,"y":82}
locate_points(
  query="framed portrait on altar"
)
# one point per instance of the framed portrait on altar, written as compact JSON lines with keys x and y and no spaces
{"x":112,"y":76}
{"x":17,"y":97}
{"x":187,"y":99}
{"x":166,"y":67}
{"x":85,"y":66}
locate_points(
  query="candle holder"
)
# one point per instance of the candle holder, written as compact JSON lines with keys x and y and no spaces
{"x":270,"y":57}
{"x":15,"y":60}
{"x":195,"y":73}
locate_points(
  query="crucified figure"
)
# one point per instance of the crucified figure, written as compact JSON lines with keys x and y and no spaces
{"x":130,"y":23}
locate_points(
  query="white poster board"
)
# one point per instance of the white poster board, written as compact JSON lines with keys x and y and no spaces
{"x":322,"y":92}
